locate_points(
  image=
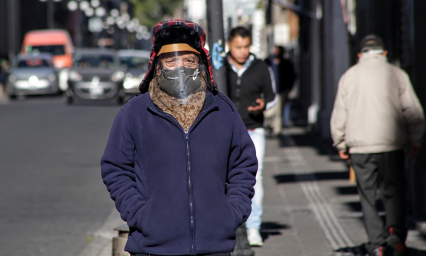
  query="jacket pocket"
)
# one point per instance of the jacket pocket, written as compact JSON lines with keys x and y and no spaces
{"x":215,"y":225}
{"x":145,"y":216}
{"x":235,"y":217}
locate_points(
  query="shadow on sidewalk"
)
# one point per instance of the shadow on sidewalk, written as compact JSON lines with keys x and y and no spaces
{"x":316,"y":176}
{"x":271,"y":229}
{"x":358,"y":250}
{"x":310,"y":139}
{"x":356,"y":206}
{"x":361,"y":251}
{"x":347,"y":190}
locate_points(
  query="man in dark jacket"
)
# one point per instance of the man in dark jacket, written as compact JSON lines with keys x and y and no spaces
{"x":285,"y":76}
{"x":179,"y":162}
{"x":250,"y":88}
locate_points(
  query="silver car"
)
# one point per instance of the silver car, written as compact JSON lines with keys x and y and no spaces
{"x":95,"y":75}
{"x":32,"y":75}
{"x":135,"y":65}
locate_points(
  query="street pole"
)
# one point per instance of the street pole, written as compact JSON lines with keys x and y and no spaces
{"x":50,"y":14}
{"x":78,"y":37}
{"x":216,"y":40}
{"x":11,"y":30}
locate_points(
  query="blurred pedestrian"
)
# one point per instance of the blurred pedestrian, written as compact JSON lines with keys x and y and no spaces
{"x":376,"y":110}
{"x":4,"y":66}
{"x":179,"y":163}
{"x":250,"y":88}
{"x":285,"y":77}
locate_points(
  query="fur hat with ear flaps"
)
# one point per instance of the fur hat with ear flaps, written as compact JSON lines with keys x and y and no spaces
{"x":174,"y":32}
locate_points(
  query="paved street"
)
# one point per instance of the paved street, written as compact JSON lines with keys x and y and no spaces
{"x":52,"y":199}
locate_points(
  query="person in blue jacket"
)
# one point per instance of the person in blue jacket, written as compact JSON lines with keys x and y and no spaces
{"x":179,"y":162}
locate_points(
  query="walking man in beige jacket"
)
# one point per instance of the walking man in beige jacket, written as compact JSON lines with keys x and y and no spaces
{"x":375,"y":113}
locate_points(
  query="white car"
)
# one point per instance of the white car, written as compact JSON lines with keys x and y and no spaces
{"x":134,"y":63}
{"x":33,"y":74}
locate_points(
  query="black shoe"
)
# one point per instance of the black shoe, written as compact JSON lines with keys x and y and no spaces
{"x":398,"y":247}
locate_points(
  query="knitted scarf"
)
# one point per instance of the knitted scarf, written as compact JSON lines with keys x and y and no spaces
{"x":185,"y":113}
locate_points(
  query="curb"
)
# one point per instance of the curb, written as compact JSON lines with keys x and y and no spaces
{"x":102,"y":242}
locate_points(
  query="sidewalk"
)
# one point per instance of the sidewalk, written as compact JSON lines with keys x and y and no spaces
{"x":310,"y":207}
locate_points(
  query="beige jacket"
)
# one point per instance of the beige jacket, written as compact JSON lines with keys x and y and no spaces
{"x":376,"y":109}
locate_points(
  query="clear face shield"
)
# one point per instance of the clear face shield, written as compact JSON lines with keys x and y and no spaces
{"x":180,"y":70}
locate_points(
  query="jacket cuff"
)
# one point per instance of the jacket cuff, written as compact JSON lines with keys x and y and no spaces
{"x":341,"y":146}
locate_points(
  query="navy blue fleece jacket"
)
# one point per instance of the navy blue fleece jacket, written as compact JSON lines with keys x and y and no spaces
{"x":180,"y":193}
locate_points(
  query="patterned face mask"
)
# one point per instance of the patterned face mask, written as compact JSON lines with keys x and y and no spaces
{"x":180,"y":82}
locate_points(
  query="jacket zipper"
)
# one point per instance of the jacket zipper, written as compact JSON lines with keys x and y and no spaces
{"x":238,"y":92}
{"x":191,"y":199}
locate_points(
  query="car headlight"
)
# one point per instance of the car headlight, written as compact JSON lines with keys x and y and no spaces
{"x":51,"y":77}
{"x":117,"y":76}
{"x":59,"y":64}
{"x":12,"y":78}
{"x":33,"y":79}
{"x":74,"y":76}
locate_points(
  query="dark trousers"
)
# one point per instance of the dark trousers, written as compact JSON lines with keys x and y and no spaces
{"x":383,"y":171}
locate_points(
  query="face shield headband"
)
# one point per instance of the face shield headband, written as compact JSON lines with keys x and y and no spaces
{"x":180,"y":69}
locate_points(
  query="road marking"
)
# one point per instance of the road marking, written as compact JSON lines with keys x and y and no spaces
{"x":269,"y":159}
{"x":334,"y":232}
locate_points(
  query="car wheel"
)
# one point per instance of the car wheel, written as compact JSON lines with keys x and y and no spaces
{"x":12,"y":96}
{"x":70,"y":100}
{"x":69,"y":95}
{"x":119,"y":98}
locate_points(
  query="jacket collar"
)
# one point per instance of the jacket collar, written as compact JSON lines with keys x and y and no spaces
{"x":372,"y":56}
{"x":209,"y":101}
{"x":245,"y":66}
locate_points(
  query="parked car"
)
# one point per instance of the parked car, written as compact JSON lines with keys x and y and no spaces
{"x":32,"y":74}
{"x":135,"y":65}
{"x":95,"y":75}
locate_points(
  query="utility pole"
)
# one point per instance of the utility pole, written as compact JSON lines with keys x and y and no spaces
{"x":12,"y":29}
{"x":50,"y":14}
{"x":216,"y":40}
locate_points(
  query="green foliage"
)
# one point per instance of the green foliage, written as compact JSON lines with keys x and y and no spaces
{"x":150,"y":12}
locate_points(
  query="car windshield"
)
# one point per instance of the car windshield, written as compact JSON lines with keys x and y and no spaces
{"x":52,"y":49}
{"x":33,"y":63}
{"x":134,"y":62}
{"x":102,"y":61}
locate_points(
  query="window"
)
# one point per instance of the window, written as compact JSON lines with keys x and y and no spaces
{"x":94,"y":61}
{"x":135,"y":62}
{"x":33,"y":63}
{"x":52,"y":49}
